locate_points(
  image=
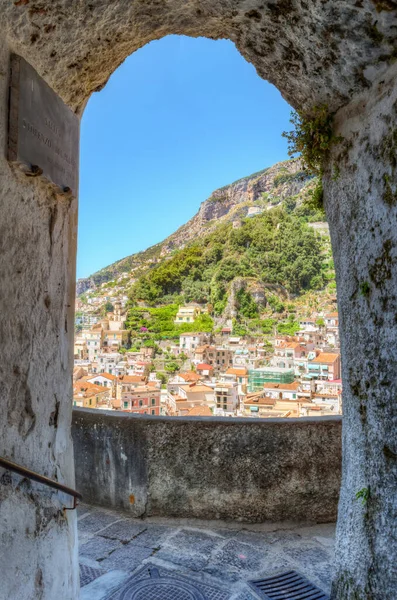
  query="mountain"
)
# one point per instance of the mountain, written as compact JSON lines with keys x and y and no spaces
{"x":256,"y":255}
{"x":260,"y":190}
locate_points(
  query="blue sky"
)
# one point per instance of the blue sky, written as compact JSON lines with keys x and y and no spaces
{"x":178,"y":119}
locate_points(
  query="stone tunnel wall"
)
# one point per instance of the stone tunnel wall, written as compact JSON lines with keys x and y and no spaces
{"x":209,"y":468}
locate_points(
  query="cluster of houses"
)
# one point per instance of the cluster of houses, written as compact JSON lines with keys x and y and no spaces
{"x":226,"y":376}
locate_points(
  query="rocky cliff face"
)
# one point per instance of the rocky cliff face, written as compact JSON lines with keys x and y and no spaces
{"x":83,"y":285}
{"x":263,"y":190}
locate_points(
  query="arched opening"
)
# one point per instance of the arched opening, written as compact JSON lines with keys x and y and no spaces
{"x":313,"y":57}
{"x":210,"y":293}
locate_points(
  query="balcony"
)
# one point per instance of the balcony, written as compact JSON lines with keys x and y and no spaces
{"x":213,"y":502}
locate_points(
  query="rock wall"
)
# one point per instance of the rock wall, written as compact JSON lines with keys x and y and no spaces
{"x":232,"y":201}
{"x":38,"y":550}
{"x":361,"y":205}
{"x":209,"y":468}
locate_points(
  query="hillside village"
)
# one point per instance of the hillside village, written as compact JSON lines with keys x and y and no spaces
{"x":211,"y":374}
{"x":197,"y":326}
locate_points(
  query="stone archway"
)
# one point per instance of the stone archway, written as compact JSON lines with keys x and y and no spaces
{"x":317,"y":52}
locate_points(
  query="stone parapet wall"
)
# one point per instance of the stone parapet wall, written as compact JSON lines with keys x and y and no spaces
{"x":209,"y":468}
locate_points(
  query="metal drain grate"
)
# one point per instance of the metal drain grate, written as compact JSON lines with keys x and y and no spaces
{"x":161,"y":587}
{"x":88,"y":574}
{"x":287,"y":586}
{"x":155,"y":583}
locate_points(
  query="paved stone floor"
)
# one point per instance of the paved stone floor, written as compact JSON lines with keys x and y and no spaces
{"x":220,"y":558}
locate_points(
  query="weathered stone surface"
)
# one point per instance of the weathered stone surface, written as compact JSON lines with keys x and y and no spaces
{"x":153,"y":537}
{"x":123,"y":531}
{"x":314,"y":52}
{"x":361,"y":204}
{"x":38,"y":545}
{"x":126,"y":558}
{"x":99,"y":548}
{"x":274,"y":469}
{"x":95,"y":522}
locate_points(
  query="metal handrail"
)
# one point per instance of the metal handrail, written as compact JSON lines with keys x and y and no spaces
{"x":11,"y":466}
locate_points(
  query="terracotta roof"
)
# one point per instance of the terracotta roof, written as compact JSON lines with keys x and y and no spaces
{"x":87,"y":390}
{"x":332,"y":315}
{"x":204,"y":367}
{"x":235,"y":371}
{"x":190,"y":376}
{"x":86,"y":385}
{"x":200,"y":411}
{"x":132,"y":379}
{"x":143,"y":389}
{"x":259,"y":400}
{"x":106,"y":375}
{"x":325,"y":357}
{"x":200,"y":348}
{"x":196,"y":388}
{"x":290,"y":387}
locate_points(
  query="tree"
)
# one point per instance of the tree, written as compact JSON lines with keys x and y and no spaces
{"x":171,"y":367}
{"x":161,"y":377}
{"x":108,"y":307}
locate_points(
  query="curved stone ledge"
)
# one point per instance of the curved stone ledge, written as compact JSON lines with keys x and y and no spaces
{"x":209,"y":468}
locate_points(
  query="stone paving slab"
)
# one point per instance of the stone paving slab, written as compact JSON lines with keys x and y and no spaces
{"x":225,"y":557}
{"x":124,"y":530}
{"x":95,"y":521}
{"x":154,"y":536}
{"x":99,"y":548}
{"x":127,"y":558}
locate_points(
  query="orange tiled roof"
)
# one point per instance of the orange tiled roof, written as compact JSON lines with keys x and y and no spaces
{"x":204,"y":367}
{"x":189,"y":376}
{"x":106,"y":375}
{"x":282,"y":386}
{"x":196,"y":388}
{"x":132,"y":379}
{"x":259,"y":400}
{"x":326,"y":357}
{"x":235,"y":371}
{"x":82,"y":386}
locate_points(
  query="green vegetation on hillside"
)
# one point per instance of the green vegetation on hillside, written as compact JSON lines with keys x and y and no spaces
{"x":276,"y":247}
{"x":160,"y":322}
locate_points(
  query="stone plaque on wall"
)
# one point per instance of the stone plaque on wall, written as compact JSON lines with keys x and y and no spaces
{"x":43,"y":132}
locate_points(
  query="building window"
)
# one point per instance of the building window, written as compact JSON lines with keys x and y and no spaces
{"x":140,"y":402}
{"x":125,"y":404}
{"x":153,"y":411}
{"x":153,"y":401}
